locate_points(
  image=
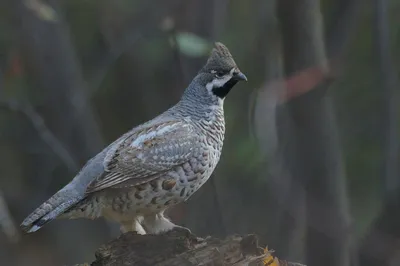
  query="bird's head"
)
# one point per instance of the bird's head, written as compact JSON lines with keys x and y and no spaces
{"x":220,"y":73}
{"x":215,"y":80}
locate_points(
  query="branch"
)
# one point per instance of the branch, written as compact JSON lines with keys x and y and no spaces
{"x":45,"y":134}
{"x":177,"y":248}
{"x":6,"y":221}
{"x":115,"y":52}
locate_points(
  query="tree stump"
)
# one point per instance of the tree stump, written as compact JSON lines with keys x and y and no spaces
{"x":177,"y":248}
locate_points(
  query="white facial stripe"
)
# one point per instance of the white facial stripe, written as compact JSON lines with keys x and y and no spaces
{"x":219,"y":82}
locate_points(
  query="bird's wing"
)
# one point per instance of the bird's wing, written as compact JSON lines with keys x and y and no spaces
{"x":145,"y":154}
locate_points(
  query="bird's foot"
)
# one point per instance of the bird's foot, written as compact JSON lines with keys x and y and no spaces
{"x":181,"y":230}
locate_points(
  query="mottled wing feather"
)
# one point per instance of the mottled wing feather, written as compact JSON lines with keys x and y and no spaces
{"x":145,"y":154}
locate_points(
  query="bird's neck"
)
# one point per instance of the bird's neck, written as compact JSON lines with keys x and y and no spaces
{"x":208,"y":119}
{"x":197,"y":110}
{"x":200,"y":107}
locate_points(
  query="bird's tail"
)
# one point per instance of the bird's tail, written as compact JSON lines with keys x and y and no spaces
{"x":50,"y":209}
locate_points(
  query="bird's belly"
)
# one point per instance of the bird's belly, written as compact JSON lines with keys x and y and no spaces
{"x":193,"y":174}
{"x":146,"y":199}
{"x":177,"y":185}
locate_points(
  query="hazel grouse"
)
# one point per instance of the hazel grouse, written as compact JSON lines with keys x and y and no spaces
{"x":155,"y":165}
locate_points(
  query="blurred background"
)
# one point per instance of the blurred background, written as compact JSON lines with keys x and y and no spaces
{"x":310,"y":161}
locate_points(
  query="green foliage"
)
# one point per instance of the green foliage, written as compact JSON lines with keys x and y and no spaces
{"x":248,"y":155}
{"x":42,"y":10}
{"x":192,"y":45}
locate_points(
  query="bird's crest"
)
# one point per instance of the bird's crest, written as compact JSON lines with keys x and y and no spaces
{"x":220,"y":59}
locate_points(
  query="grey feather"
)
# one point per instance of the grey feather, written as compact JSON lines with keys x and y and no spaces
{"x":146,"y":153}
{"x":67,"y":196}
{"x":50,"y":209}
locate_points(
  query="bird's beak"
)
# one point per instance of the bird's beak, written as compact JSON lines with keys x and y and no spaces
{"x":240,"y":76}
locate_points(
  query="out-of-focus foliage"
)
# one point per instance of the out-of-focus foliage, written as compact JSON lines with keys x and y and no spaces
{"x":192,"y":45}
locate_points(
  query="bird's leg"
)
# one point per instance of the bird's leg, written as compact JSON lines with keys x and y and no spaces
{"x":132,"y":226}
{"x":157,"y":223}
{"x":138,"y":228}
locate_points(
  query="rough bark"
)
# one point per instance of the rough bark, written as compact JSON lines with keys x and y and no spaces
{"x":179,"y":248}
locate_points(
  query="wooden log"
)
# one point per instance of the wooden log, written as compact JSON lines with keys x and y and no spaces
{"x":179,"y":248}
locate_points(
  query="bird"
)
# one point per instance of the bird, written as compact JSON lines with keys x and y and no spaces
{"x":155,"y":165}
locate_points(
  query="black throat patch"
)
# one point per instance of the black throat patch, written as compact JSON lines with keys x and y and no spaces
{"x":221,"y":92}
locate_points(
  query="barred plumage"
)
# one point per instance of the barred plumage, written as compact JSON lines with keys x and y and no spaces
{"x":155,"y":165}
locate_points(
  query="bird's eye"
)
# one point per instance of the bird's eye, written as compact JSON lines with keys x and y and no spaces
{"x":219,"y":74}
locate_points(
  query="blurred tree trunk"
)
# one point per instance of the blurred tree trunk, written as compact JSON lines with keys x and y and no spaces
{"x":315,"y":160}
{"x":381,"y":244}
{"x":286,"y":227}
{"x":286,"y":230}
{"x":51,"y":63}
{"x":59,"y":95}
